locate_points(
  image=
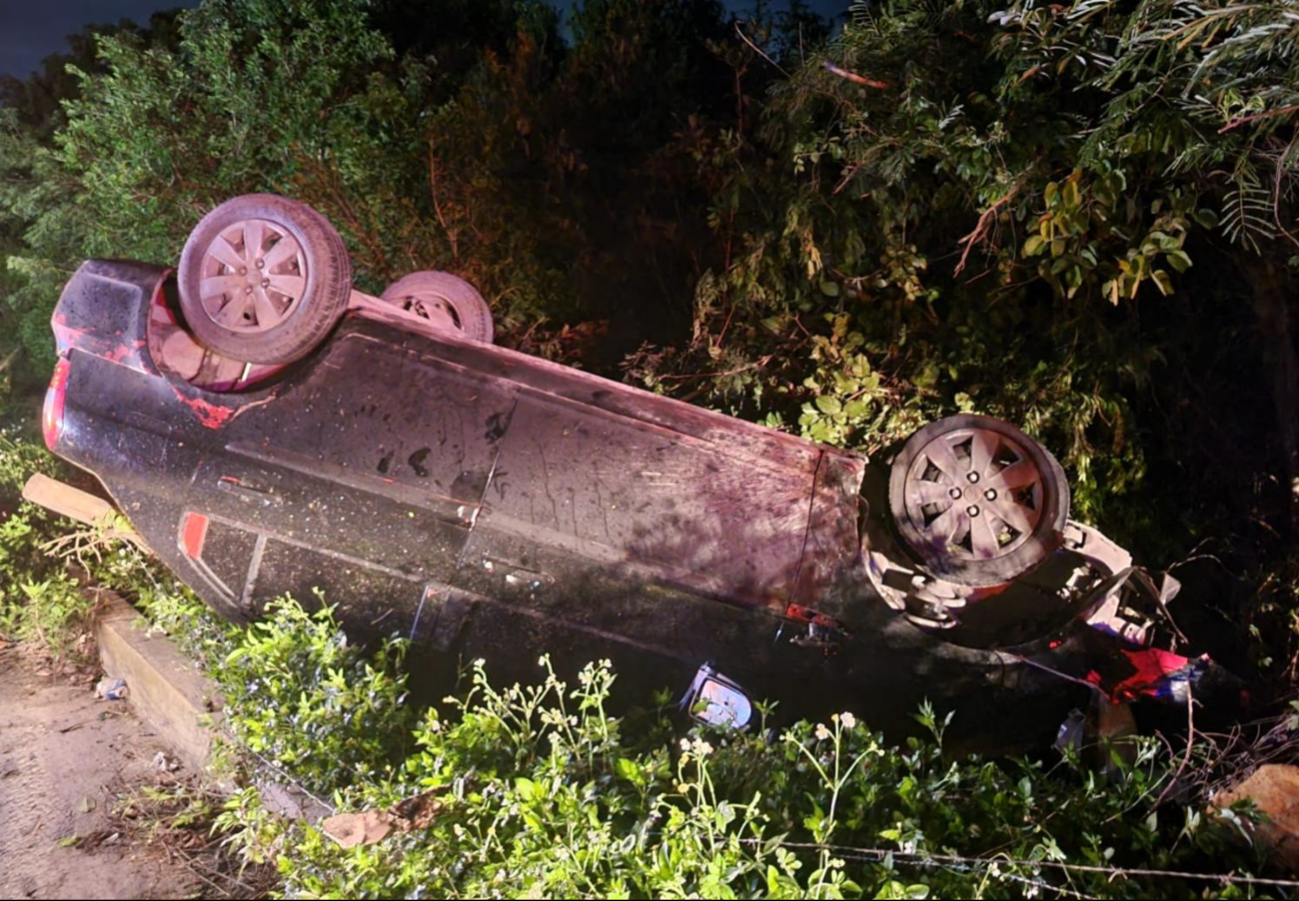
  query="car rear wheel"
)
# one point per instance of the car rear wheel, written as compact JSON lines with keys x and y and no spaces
{"x":444,"y":299}
{"x":977,"y":501}
{"x":263,"y":279}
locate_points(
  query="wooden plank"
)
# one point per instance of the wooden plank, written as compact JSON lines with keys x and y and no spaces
{"x":76,"y":504}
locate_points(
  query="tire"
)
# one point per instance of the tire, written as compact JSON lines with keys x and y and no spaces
{"x":976,"y":501}
{"x":444,"y":298}
{"x":276,"y":314}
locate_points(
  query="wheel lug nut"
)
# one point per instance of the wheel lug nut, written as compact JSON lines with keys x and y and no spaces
{"x":261,"y":264}
{"x":955,"y":494}
{"x":266,"y":283}
{"x":972,"y":510}
{"x":973,"y":477}
{"x":243,"y":270}
{"x":991,"y":494}
{"x":248,"y":290}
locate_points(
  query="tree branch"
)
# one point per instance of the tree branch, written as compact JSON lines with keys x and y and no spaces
{"x":1242,"y":120}
{"x":854,"y":77}
{"x":980,"y":232}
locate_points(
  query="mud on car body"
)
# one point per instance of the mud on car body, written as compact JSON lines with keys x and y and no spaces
{"x":268,"y":429}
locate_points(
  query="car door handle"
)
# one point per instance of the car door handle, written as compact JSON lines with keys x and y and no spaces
{"x":249,"y":491}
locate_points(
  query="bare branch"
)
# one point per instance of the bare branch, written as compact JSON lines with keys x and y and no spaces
{"x":1242,"y":120}
{"x":744,"y":37}
{"x":980,"y":232}
{"x":854,"y":77}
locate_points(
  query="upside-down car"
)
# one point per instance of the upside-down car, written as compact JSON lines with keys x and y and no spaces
{"x":268,"y":429}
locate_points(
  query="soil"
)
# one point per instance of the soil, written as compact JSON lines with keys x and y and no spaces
{"x":66,"y":757}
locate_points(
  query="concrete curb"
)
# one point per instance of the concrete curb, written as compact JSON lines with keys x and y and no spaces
{"x":165,"y":688}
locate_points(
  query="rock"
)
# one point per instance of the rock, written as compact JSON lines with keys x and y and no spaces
{"x":1274,"y":789}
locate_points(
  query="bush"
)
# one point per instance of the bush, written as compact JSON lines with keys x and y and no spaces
{"x":545,"y":794}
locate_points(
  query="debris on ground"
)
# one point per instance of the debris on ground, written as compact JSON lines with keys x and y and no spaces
{"x":372,"y":826}
{"x":165,"y":763}
{"x":111,"y":689}
{"x":716,"y":700}
{"x":292,"y":802}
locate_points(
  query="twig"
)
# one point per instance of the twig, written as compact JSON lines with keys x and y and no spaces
{"x":744,"y":37}
{"x":1242,"y":120}
{"x":717,"y":375}
{"x":437,"y":207}
{"x":854,"y":77}
{"x":1276,"y":190}
{"x":981,"y":228}
{"x":923,"y":859}
{"x":1190,"y":743}
{"x":221,"y":892}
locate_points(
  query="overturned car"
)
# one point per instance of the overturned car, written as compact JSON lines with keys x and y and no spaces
{"x":268,"y":430}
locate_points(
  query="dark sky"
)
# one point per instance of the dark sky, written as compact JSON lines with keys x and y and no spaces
{"x":30,"y":30}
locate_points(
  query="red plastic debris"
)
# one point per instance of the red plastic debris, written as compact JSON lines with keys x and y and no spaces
{"x":1150,"y":672}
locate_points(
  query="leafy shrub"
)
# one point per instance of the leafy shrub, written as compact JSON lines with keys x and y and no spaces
{"x":311,"y":703}
{"x":546,"y":795}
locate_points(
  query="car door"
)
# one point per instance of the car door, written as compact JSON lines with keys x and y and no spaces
{"x":361,"y":477}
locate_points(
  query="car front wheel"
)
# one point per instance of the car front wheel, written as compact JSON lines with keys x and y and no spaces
{"x":977,"y":501}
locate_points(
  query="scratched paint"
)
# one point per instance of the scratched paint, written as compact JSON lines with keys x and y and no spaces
{"x":211,"y":415}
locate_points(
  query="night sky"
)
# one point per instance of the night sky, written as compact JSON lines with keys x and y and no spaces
{"x":30,"y":30}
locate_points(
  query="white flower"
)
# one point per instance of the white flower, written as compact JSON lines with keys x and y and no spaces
{"x":541,"y":661}
{"x":822,"y":733}
{"x":849,"y":721}
{"x":685,"y":744}
{"x":701,"y":747}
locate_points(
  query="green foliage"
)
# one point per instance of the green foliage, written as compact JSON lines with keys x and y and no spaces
{"x":312,"y":703}
{"x":40,"y":601}
{"x":544,"y":794}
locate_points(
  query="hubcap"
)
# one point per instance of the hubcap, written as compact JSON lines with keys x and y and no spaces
{"x":1010,"y":506}
{"x":434,"y":308}
{"x":253,"y":276}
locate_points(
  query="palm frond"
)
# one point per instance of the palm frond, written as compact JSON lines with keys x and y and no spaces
{"x":1247,"y":211}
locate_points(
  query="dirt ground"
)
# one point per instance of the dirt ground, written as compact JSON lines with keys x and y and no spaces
{"x":65,"y":759}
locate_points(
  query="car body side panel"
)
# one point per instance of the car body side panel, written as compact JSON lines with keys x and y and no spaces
{"x":621,"y":490}
{"x":389,"y":448}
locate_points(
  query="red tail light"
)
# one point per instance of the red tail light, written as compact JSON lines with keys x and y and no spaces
{"x":52,"y":416}
{"x":193,"y":531}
